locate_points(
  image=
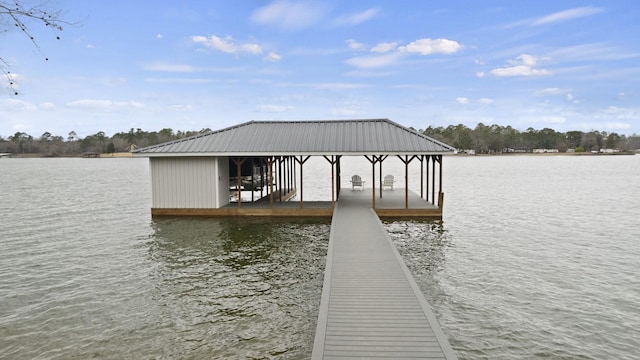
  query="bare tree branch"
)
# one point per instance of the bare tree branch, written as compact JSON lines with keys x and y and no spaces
{"x":18,"y":15}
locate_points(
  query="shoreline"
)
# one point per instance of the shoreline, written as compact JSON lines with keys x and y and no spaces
{"x":552,"y":154}
{"x":127,"y":155}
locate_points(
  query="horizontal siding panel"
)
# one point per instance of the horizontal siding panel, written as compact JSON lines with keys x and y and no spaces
{"x":183,"y":182}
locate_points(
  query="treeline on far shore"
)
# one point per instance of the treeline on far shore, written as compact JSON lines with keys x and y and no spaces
{"x":491,"y":139}
{"x":482,"y":139}
{"x":52,"y":145}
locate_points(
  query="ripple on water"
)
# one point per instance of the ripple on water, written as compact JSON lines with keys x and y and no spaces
{"x":86,"y":273}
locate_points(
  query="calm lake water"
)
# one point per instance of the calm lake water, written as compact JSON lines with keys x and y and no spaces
{"x":536,"y":257}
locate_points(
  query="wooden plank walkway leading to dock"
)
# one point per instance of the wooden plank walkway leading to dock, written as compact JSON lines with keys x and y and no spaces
{"x":371,"y":306}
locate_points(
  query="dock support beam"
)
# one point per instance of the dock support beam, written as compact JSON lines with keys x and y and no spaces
{"x":238,"y":163}
{"x":333,"y":161}
{"x":301,"y":162}
{"x":406,"y":162}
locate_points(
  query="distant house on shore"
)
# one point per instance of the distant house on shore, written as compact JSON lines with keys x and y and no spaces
{"x":544,"y":151}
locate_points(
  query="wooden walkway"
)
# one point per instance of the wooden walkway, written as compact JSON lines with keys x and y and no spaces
{"x":371,"y":306}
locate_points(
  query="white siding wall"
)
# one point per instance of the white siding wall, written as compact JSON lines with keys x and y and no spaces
{"x":186,"y":182}
{"x":223,"y":181}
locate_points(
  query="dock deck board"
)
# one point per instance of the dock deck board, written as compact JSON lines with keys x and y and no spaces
{"x":371,"y":306}
{"x":391,"y":205}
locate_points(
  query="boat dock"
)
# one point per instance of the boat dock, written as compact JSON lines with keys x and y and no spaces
{"x":371,"y":307}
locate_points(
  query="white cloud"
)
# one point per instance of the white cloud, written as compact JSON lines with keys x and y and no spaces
{"x":227,"y":45}
{"x":384,"y":47}
{"x":273,"y":57}
{"x":290,"y":15}
{"x":159,"y":36}
{"x":104,"y":105}
{"x":614,"y":110}
{"x":593,"y":52}
{"x":369,"y":62}
{"x":179,"y":80}
{"x":432,"y":46}
{"x":525,"y":59}
{"x":337,"y":86}
{"x":115,"y":81}
{"x":354,"y":45}
{"x":182,"y":68}
{"x":356,"y":19}
{"x":486,"y":101}
{"x":181,"y":108}
{"x":17,"y":105}
{"x":273,"y":108}
{"x":522,"y":66}
{"x":462,"y":100}
{"x":47,"y":106}
{"x":550,"y":92}
{"x":369,"y":73}
{"x":566,"y":15}
{"x":519,"y":70}
{"x":558,"y":17}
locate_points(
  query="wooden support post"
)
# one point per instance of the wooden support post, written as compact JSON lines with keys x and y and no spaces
{"x":287,"y":166}
{"x":253,"y":180}
{"x":332,"y":161}
{"x":433,"y":180}
{"x":422,"y":176}
{"x":440,"y":161}
{"x":338,"y":178}
{"x":440,"y":193}
{"x":238,"y":163}
{"x":406,"y":162}
{"x":294,"y":174}
{"x":373,"y":161}
{"x":270,"y":162}
{"x":381,"y":159}
{"x":406,"y":182}
{"x":279,"y":187}
{"x":380,"y":179}
{"x":427,"y":173}
{"x":301,"y":162}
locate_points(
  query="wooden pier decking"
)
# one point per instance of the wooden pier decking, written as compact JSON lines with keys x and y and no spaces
{"x":393,"y":204}
{"x":371,"y":307}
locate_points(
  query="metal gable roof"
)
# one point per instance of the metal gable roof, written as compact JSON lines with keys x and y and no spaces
{"x":375,"y":136}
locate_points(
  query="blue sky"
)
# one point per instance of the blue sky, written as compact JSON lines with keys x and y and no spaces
{"x":188,"y":65}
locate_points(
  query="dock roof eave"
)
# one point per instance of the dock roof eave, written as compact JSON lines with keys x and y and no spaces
{"x":260,"y":154}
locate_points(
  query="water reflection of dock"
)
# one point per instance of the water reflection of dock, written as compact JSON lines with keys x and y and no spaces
{"x":371,"y":306}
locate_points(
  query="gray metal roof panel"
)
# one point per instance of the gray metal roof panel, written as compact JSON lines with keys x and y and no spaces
{"x":374,"y":136}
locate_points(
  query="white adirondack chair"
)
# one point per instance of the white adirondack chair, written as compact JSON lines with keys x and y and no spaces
{"x":388,"y":182}
{"x":356,"y":181}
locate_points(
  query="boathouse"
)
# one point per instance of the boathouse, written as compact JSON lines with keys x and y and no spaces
{"x":207,"y":174}
{"x":371,"y":307}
